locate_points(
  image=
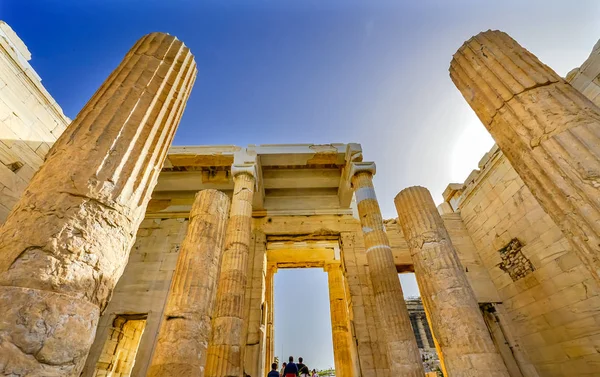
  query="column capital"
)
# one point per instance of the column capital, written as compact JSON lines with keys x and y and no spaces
{"x":250,"y":169}
{"x":359,"y":167}
{"x":330,"y":266}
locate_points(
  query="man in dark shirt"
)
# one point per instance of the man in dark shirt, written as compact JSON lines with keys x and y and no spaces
{"x":273,"y":372}
{"x":291,"y":370}
{"x":302,"y":369}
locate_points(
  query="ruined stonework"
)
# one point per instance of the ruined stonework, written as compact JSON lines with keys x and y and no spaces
{"x":514,"y":262}
{"x":512,"y":276}
{"x":66,"y":242}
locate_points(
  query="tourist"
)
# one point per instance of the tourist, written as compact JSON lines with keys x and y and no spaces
{"x":314,"y":373}
{"x":273,"y":372}
{"x":291,"y":369}
{"x":302,"y":369}
{"x":282,"y":369}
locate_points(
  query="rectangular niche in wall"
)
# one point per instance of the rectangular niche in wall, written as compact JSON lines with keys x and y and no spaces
{"x":118,"y":354}
{"x":514,"y":262}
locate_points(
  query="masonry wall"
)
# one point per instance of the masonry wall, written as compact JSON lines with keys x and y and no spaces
{"x":143,"y":288}
{"x":553,"y":308}
{"x":30,"y":120}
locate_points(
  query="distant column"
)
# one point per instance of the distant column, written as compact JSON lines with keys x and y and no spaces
{"x":66,"y":242}
{"x":421,"y":330}
{"x":340,"y":321}
{"x":225,"y":348}
{"x":403,"y":352}
{"x":456,"y":319}
{"x":548,"y":130}
{"x":186,"y":327}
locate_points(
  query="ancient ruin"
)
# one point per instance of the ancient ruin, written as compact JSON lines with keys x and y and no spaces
{"x":138,"y":258}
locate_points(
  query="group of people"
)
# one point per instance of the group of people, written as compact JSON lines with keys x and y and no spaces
{"x":291,"y":369}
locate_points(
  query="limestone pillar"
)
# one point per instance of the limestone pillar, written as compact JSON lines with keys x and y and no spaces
{"x":340,"y":321}
{"x":66,"y":242}
{"x":421,"y":329}
{"x":186,"y":326}
{"x":270,"y":328}
{"x":402,"y":350}
{"x":548,"y":130}
{"x":456,"y":319}
{"x":225,"y":348}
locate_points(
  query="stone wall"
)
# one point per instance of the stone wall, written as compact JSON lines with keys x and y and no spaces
{"x":30,"y":119}
{"x":143,"y":288}
{"x":552,"y":309}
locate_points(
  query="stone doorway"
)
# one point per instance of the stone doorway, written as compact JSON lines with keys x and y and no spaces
{"x":301,"y":303}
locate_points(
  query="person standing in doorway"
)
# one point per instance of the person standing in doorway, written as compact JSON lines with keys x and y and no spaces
{"x":302,"y":369}
{"x":291,"y":369}
{"x":273,"y":372}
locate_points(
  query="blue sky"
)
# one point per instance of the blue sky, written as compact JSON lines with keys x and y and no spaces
{"x":373,"y":72}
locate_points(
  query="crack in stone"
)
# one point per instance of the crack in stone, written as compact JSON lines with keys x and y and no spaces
{"x":493,"y":117}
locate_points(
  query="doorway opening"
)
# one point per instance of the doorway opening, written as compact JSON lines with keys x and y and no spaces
{"x":302,"y":317}
{"x":119,"y":351}
{"x":419,"y":322}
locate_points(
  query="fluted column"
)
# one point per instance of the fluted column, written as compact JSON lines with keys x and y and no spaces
{"x":66,"y":242}
{"x":340,"y":321}
{"x":186,"y":327}
{"x":421,"y":329}
{"x":402,"y":350}
{"x":456,"y":320}
{"x":548,"y":130}
{"x":225,"y":348}
{"x":270,"y":328}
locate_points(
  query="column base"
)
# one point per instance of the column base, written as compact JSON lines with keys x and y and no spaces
{"x":44,"y":333}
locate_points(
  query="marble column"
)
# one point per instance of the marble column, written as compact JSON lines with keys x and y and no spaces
{"x":340,"y":321}
{"x":402,"y":350}
{"x":182,"y":342}
{"x":421,"y":329}
{"x":548,"y":130}
{"x":226,"y":346}
{"x":270,"y":328}
{"x":66,"y":242}
{"x":456,"y":319}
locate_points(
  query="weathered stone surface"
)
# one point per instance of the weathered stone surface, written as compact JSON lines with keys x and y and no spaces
{"x":457,"y":324}
{"x":342,"y":338}
{"x":547,"y":129}
{"x":71,"y":231}
{"x":225,"y":347}
{"x":28,"y":314}
{"x":185,"y":331}
{"x":402,"y":351}
{"x":30,"y":119}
